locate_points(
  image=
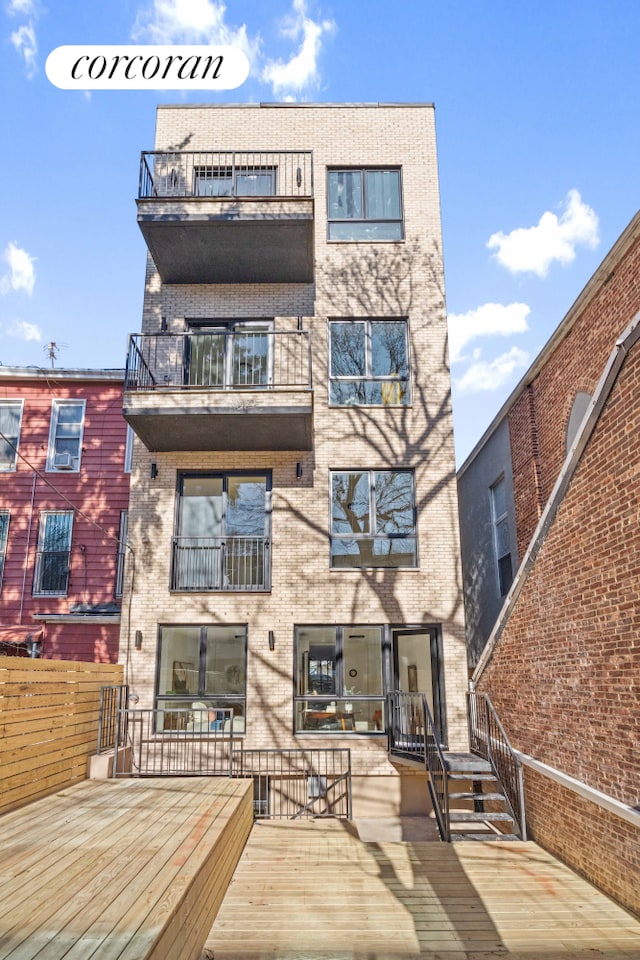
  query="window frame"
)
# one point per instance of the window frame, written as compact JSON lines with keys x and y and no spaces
{"x":342,"y":697}
{"x":496,"y":520}
{"x":372,"y":534}
{"x":165,"y":700}
{"x":13,"y":403}
{"x":38,"y":573}
{"x":364,"y":170}
{"x":4,"y":540}
{"x":230,"y":173}
{"x":121,"y":553}
{"x":128,"y":450}
{"x":53,"y":438}
{"x":368,"y":376}
{"x":225,"y":476}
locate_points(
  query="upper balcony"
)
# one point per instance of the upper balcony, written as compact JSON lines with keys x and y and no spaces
{"x":244,"y":387}
{"x":228,"y":216}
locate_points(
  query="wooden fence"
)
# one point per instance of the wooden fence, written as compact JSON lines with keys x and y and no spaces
{"x":48,"y":724}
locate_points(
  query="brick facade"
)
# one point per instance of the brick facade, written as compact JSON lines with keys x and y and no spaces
{"x":352,"y":280}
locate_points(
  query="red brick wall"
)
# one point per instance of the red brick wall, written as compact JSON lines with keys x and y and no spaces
{"x":575,"y":365}
{"x":602,"y":847}
{"x":565,"y":673}
{"x":100,"y":490}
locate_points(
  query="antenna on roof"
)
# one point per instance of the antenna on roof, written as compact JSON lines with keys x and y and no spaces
{"x":52,"y":350}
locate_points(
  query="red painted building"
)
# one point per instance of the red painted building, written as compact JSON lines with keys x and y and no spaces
{"x":64,"y":493}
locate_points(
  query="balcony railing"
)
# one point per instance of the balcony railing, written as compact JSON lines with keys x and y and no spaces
{"x":226,"y":174}
{"x":220,"y":563}
{"x":234,"y":360}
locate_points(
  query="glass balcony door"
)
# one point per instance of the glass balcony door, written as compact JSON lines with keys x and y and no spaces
{"x":231,"y":355}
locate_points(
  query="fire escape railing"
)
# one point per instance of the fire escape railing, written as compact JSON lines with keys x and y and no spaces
{"x":488,"y":740}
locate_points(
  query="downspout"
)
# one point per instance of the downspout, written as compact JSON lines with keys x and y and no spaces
{"x":26,"y":555}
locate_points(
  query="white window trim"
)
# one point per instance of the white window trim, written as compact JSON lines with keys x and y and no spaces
{"x":128,"y":449}
{"x":55,"y":404}
{"x":6,"y":402}
{"x":37,"y":590}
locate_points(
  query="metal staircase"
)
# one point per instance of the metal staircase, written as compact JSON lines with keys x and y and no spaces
{"x":476,"y":795}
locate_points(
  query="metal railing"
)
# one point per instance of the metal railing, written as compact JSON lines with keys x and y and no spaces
{"x":220,"y":563}
{"x":412,"y":735}
{"x":488,"y":739}
{"x":112,"y":732}
{"x":226,"y":174}
{"x":292,"y":784}
{"x":225,"y":360}
{"x":173,"y":741}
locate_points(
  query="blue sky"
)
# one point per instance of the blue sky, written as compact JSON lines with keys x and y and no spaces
{"x":538,"y":119}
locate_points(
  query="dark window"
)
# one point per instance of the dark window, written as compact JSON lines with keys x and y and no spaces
{"x":223,"y":528}
{"x":373,"y":519}
{"x":369,"y":362}
{"x":365,"y":204}
{"x":230,"y":354}
{"x":121,"y":552}
{"x":53,"y":557}
{"x":203,"y":669}
{"x":339,"y":679}
{"x":10,"y":419}
{"x":234,"y":181}
{"x":501,"y":536}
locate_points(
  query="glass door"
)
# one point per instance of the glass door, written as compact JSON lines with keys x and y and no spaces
{"x":417,"y":667}
{"x":229,"y":355}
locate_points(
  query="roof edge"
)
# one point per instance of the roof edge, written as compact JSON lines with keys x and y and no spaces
{"x":61,"y":373}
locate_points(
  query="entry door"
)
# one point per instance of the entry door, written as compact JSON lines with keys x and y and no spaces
{"x":417,"y":666}
{"x":228,"y":355}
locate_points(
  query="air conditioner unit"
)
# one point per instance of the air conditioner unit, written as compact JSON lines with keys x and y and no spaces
{"x":63,"y":461}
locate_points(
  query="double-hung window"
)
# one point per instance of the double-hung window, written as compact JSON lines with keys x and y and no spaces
{"x":365,"y":204}
{"x":10,"y":420}
{"x":369,"y":362}
{"x":501,"y":536}
{"x":339,"y":679}
{"x":222,"y":532}
{"x":53,"y":557}
{"x":202,"y":670}
{"x":65,"y":436}
{"x":373,"y":519}
{"x":4,"y":533}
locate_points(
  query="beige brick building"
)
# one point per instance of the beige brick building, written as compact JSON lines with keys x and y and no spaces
{"x":293,"y":508}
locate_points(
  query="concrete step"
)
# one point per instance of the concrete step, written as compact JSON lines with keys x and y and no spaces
{"x":477,"y":816}
{"x":481,"y":777}
{"x":466,"y":763}
{"x":469,"y":795}
{"x":488,"y":837}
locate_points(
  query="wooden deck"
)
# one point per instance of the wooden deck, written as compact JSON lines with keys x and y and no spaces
{"x":315,"y":891}
{"x":127,"y":869}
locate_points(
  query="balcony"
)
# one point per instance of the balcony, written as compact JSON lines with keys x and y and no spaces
{"x":239,"y":389}
{"x":228,"y":216}
{"x":220,"y":563}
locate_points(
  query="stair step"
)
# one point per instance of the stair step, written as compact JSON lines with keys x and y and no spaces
{"x":489,"y":837}
{"x":459,"y":762}
{"x":470,"y":816}
{"x":486,"y":777}
{"x":476,"y":796}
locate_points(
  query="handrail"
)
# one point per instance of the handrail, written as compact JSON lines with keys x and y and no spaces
{"x":226,"y":174}
{"x":488,"y":739}
{"x":409,"y":719}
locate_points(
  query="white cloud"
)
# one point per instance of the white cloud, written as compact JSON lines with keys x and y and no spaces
{"x":26,"y":7}
{"x":22,"y":330}
{"x":486,"y":375}
{"x":191,"y":21}
{"x":490,"y":319}
{"x":21,"y":275}
{"x":300,"y":72}
{"x":24,"y":40}
{"x":533,"y":249}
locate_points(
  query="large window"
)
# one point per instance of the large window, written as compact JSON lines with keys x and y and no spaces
{"x":222,"y":535}
{"x":369,"y":362}
{"x":339,"y":679}
{"x":364,"y":204}
{"x":10,"y":419}
{"x":53,"y":558}
{"x":501,"y":536}
{"x":373,"y":519}
{"x":202,"y":669}
{"x":4,"y":533}
{"x":230,"y":354}
{"x":65,"y":437}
